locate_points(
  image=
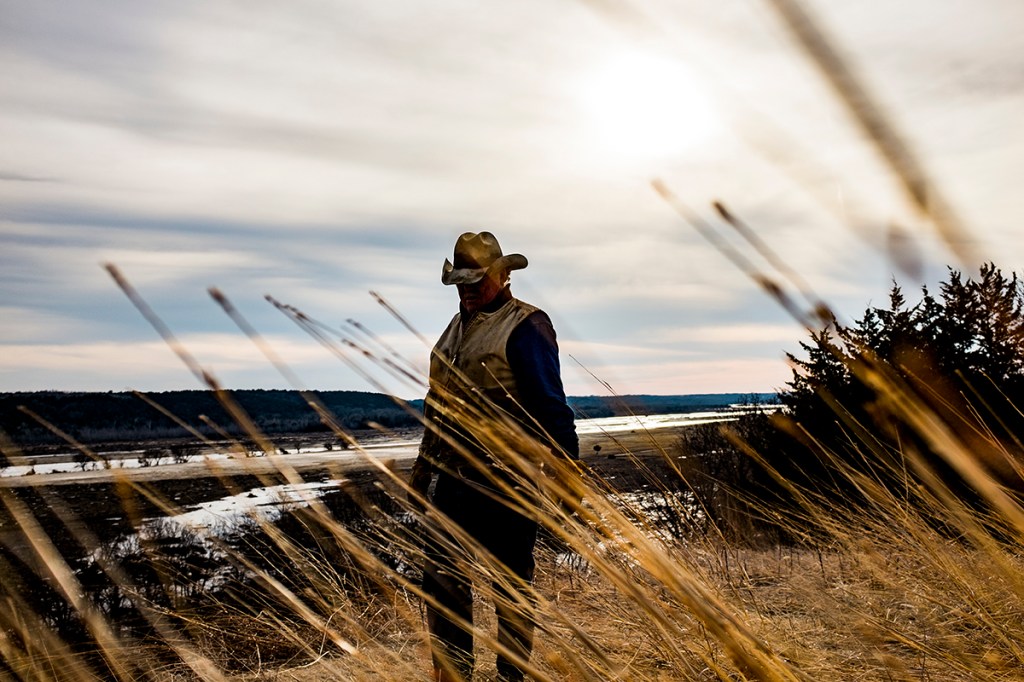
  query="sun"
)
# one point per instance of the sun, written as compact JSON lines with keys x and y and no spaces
{"x":641,"y":107}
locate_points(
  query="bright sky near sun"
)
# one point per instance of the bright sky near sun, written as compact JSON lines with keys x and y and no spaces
{"x":316,"y":151}
{"x":638,"y":107}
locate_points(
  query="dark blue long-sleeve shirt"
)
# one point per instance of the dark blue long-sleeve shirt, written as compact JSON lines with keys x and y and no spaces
{"x":532,"y":352}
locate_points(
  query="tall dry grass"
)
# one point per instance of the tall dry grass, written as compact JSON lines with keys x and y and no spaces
{"x":911,"y":584}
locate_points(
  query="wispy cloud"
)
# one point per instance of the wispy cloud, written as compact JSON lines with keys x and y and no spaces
{"x":151,"y":365}
{"x":739,"y":333}
{"x":31,"y":324}
{"x":314,"y":151}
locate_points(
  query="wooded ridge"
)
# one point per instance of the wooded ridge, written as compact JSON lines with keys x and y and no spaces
{"x":124,"y":416}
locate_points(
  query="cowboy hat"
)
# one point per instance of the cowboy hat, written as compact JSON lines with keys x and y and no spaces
{"x":475,"y":256}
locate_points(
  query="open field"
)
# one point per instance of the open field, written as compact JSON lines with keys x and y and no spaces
{"x":829,"y":612}
{"x":333,"y":463}
{"x":98,"y":497}
{"x":872,"y":607}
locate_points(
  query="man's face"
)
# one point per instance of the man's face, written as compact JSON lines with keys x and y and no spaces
{"x":476,"y":296}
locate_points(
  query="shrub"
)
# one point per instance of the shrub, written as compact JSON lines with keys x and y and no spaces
{"x":739,"y":497}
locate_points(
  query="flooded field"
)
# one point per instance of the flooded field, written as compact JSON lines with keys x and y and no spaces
{"x":217,"y":494}
{"x":198,"y":534}
{"x":309,"y":448}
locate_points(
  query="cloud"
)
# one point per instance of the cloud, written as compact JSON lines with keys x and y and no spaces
{"x":60,"y":270}
{"x":725,"y":375}
{"x":734,"y":334}
{"x":314,"y":151}
{"x":30,"y":324}
{"x":686,"y":368}
{"x":151,"y":365}
{"x":175,"y":267}
{"x":18,"y":177}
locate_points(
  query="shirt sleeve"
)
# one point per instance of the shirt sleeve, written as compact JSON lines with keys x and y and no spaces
{"x":532,"y":352}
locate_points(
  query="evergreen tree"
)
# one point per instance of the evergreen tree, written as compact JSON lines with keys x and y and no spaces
{"x":961,"y":355}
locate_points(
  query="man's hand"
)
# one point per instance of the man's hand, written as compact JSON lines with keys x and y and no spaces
{"x":569,"y":474}
{"x":419,"y":481}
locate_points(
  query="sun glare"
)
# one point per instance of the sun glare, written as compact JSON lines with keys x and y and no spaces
{"x":639,"y":107}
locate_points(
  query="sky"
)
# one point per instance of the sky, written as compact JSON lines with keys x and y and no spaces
{"x":318,"y":150}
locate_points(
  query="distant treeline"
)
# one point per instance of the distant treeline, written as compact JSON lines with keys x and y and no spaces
{"x":116,"y":417}
{"x":109,"y":417}
{"x":589,"y":407}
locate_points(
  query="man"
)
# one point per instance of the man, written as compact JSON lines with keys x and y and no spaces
{"x":494,"y":378}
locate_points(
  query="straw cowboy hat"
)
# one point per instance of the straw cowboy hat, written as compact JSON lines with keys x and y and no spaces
{"x":475,"y":256}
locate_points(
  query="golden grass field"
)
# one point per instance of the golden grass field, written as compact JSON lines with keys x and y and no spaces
{"x":632,"y":584}
{"x":913,"y":584}
{"x":883,"y":598}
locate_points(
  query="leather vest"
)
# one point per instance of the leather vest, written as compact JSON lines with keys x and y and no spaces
{"x":469,"y":359}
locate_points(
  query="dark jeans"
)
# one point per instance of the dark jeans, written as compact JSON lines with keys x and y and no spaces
{"x":510,"y":538}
